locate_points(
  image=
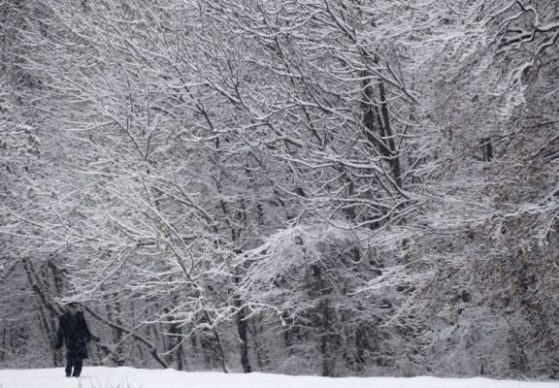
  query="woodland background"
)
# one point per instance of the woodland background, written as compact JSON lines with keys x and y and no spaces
{"x":350,"y":187}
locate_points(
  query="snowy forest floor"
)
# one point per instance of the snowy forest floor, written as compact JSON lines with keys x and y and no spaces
{"x":103,"y":377}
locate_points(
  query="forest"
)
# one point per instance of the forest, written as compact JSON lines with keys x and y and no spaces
{"x":318,"y":187}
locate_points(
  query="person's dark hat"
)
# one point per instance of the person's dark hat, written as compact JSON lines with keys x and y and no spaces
{"x":72,"y":304}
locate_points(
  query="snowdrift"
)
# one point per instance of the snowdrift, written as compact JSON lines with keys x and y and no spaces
{"x":103,"y":377}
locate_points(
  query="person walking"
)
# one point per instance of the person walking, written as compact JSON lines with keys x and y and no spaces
{"x":73,"y":331}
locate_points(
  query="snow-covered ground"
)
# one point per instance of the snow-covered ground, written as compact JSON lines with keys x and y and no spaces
{"x":102,"y":377}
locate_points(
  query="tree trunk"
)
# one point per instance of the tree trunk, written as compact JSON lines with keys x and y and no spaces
{"x":242,"y":330}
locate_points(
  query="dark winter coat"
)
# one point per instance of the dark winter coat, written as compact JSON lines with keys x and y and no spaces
{"x":73,"y":331}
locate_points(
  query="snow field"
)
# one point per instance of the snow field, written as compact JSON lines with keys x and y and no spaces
{"x":104,"y":377}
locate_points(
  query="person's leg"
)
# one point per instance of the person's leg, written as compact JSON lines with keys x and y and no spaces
{"x":78,"y":362}
{"x":69,"y":363}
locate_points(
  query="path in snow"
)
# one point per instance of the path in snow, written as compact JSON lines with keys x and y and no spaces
{"x":103,"y":377}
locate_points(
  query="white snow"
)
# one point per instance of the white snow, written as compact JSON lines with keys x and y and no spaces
{"x":103,"y":377}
